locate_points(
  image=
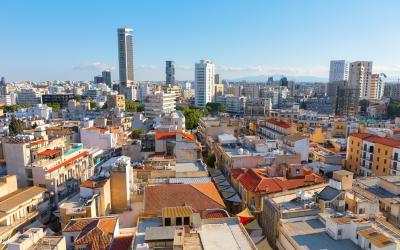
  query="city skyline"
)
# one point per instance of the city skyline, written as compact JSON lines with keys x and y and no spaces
{"x":292,"y":38}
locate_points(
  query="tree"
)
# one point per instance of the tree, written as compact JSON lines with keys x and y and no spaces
{"x":55,"y":106}
{"x":133,"y":106}
{"x":363,"y":105}
{"x":15,"y":107}
{"x":15,"y":127}
{"x":136,"y":132}
{"x":34,"y":125}
{"x":214,"y":107}
{"x":393,"y":108}
{"x":192,"y":116}
{"x":93,"y":105}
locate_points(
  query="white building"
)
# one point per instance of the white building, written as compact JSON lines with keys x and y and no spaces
{"x":377,"y":86}
{"x":39,"y":111}
{"x":204,"y":83}
{"x":28,"y":96}
{"x":98,"y":138}
{"x":170,"y":121}
{"x":8,"y":100}
{"x":360,"y":74}
{"x":297,"y":143}
{"x":338,"y":70}
{"x":159,"y":103}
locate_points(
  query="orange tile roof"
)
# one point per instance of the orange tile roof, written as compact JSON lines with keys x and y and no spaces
{"x":377,"y":139}
{"x":200,"y":196}
{"x":69,"y":161}
{"x":49,"y":152}
{"x":38,"y":142}
{"x":186,"y":135}
{"x":278,"y":123}
{"x":163,"y":135}
{"x":122,"y":242}
{"x":361,"y":135}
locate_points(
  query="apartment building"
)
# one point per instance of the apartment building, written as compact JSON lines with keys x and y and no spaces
{"x":116,"y":101}
{"x":371,"y":155}
{"x":35,"y":238}
{"x":159,"y":103}
{"x":276,"y":129}
{"x":93,"y":137}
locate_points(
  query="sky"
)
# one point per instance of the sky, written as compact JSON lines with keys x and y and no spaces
{"x":75,"y":39}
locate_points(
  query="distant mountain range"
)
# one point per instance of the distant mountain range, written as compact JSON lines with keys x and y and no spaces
{"x":264,"y":78}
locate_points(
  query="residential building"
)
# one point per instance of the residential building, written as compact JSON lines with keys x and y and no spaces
{"x":200,"y":196}
{"x":377,"y":86}
{"x":116,"y":102}
{"x":216,"y":79}
{"x":93,"y":137}
{"x":392,"y":91}
{"x":125,"y":55}
{"x":20,"y":206}
{"x":106,"y":74}
{"x":8,"y":100}
{"x":297,"y":144}
{"x":257,"y":106}
{"x":371,"y":155}
{"x":158,"y":104}
{"x":322,"y":105}
{"x":38,"y":111}
{"x":276,"y":129}
{"x":204,"y":83}
{"x":338,"y":70}
{"x":360,"y":73}
{"x":96,"y":233}
{"x":233,"y":104}
{"x":28,"y":96}
{"x":344,"y":96}
{"x":34,"y":238}
{"x":61,"y":99}
{"x":169,"y":72}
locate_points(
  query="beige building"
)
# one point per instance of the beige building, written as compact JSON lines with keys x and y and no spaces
{"x":116,"y":101}
{"x":360,"y":73}
{"x":34,"y":238}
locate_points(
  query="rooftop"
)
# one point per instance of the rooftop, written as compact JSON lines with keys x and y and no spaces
{"x":310,"y":234}
{"x":19,"y":197}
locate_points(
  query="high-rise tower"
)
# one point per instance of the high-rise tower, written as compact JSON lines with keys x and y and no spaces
{"x":204,"y":83}
{"x":125,"y":55}
{"x":169,"y":72}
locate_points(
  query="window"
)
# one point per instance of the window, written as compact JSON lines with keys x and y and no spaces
{"x":386,"y":152}
{"x":179,"y":221}
{"x":71,"y":239}
{"x":361,"y":211}
{"x":167,"y":221}
{"x":395,"y":165}
{"x":396,"y":156}
{"x":186,"y":221}
{"x":339,"y":232}
{"x":379,"y":150}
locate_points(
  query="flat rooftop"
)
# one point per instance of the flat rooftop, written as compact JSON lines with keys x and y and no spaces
{"x":311,"y":235}
{"x":190,"y":166}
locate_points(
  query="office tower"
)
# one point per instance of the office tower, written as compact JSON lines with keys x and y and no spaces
{"x":216,"y":79}
{"x":125,"y":55}
{"x":204,"y":82}
{"x":284,"y":81}
{"x":344,"y":97}
{"x":377,"y":86}
{"x":392,"y":91}
{"x":338,"y":71}
{"x":2,"y":81}
{"x":270,"y":80}
{"x":106,"y":77}
{"x":360,"y":75}
{"x":169,"y":72}
{"x":98,"y":79}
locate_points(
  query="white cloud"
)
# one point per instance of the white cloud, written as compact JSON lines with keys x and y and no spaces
{"x":94,"y":66}
{"x":320,"y":71}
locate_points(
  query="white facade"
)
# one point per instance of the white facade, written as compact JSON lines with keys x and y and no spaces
{"x":28,"y":96}
{"x":360,"y":73}
{"x":159,"y":103}
{"x":338,"y":70}
{"x":39,"y":111}
{"x":204,"y":83}
{"x":98,"y":138}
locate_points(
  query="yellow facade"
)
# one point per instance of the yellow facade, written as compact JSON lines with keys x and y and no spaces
{"x":382,"y":160}
{"x":353,"y":158}
{"x":339,"y":128}
{"x":318,"y":136}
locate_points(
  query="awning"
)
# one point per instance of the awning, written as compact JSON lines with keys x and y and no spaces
{"x":226,"y":189}
{"x":245,"y":214}
{"x":227,"y":194}
{"x":220,"y":177}
{"x":218,"y":180}
{"x":234,"y":198}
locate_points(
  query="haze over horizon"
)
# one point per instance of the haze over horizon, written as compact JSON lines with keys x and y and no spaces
{"x":75,"y":40}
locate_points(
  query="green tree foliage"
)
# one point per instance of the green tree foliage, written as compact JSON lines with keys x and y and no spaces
{"x":16,"y":126}
{"x":55,"y":106}
{"x":211,"y":160}
{"x":214,"y":107}
{"x":93,"y":105}
{"x":15,"y":107}
{"x":363,"y":105}
{"x":136,"y":132}
{"x":34,"y":125}
{"x":393,"y":108}
{"x":132,"y":106}
{"x":192,"y":116}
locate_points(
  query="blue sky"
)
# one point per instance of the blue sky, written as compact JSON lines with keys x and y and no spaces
{"x":75,"y":39}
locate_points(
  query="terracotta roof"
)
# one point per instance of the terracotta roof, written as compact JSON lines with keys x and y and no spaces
{"x":237,"y":172}
{"x":122,"y":242}
{"x":94,"y":183}
{"x":49,"y":152}
{"x":200,"y":196}
{"x":278,"y":123}
{"x":163,"y":135}
{"x":95,"y":233}
{"x":215,"y":214}
{"x":38,"y":142}
{"x":69,"y":161}
{"x":378,"y":139}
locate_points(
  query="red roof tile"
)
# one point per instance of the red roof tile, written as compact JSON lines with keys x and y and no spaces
{"x":49,"y":152}
{"x":361,"y":135}
{"x":101,"y":130}
{"x":122,"y":242}
{"x":278,"y":123}
{"x":200,"y":196}
{"x":384,"y":141}
{"x":69,"y":161}
{"x":162,"y":135}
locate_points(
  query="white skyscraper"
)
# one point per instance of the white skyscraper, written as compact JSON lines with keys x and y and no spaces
{"x":338,"y":71}
{"x":125,"y":55}
{"x":360,"y":73}
{"x":204,"y":83}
